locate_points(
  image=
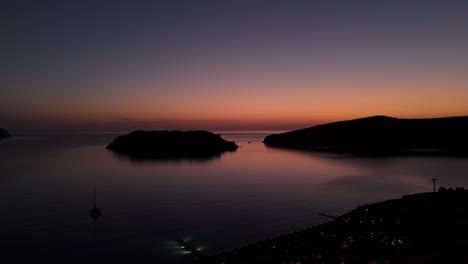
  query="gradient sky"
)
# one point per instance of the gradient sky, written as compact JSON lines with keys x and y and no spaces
{"x":123,"y":65}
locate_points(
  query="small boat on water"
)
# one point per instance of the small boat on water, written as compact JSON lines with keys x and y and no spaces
{"x":95,"y":213}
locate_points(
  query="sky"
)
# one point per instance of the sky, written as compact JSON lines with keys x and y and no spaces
{"x":95,"y":66}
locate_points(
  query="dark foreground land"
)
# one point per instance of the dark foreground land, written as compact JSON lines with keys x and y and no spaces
{"x":4,"y":134}
{"x":381,"y":135}
{"x":171,"y":144}
{"x":419,"y":228}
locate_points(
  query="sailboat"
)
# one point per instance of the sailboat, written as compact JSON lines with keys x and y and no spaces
{"x":95,"y":213}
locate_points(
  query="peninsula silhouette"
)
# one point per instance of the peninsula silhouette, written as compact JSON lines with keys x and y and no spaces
{"x":381,"y":135}
{"x":4,"y":134}
{"x":141,"y":145}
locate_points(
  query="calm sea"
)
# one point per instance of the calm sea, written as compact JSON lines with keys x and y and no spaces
{"x":255,"y":193}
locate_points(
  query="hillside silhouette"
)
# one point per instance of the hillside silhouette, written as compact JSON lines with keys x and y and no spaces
{"x":167,"y":145}
{"x":418,"y":228}
{"x":381,"y":135}
{"x":4,"y":134}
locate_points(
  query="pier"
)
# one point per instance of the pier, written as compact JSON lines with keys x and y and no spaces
{"x":195,"y":252}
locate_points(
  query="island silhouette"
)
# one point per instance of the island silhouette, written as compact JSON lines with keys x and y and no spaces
{"x":381,"y":135}
{"x":170,"y":145}
{"x":4,"y":134}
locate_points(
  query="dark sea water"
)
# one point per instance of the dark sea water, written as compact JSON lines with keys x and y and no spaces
{"x":255,"y":193}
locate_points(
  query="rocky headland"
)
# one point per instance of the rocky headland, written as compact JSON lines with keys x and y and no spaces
{"x":4,"y":134}
{"x":381,"y":135}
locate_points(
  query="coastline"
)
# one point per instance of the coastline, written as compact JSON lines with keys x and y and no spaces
{"x":417,"y":228}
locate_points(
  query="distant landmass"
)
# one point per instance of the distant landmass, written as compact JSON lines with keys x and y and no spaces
{"x":381,"y":135}
{"x":4,"y":134}
{"x":143,"y":145}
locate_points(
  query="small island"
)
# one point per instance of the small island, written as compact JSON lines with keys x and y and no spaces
{"x":165,"y":144}
{"x":4,"y":134}
{"x":381,"y":135}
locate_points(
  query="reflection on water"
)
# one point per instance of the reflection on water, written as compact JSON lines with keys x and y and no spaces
{"x":201,"y":158}
{"x":46,"y":189}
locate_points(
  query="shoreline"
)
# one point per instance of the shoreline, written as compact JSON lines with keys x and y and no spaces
{"x":417,"y":228}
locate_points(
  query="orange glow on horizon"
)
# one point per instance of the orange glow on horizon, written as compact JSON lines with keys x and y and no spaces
{"x":264,"y":106}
